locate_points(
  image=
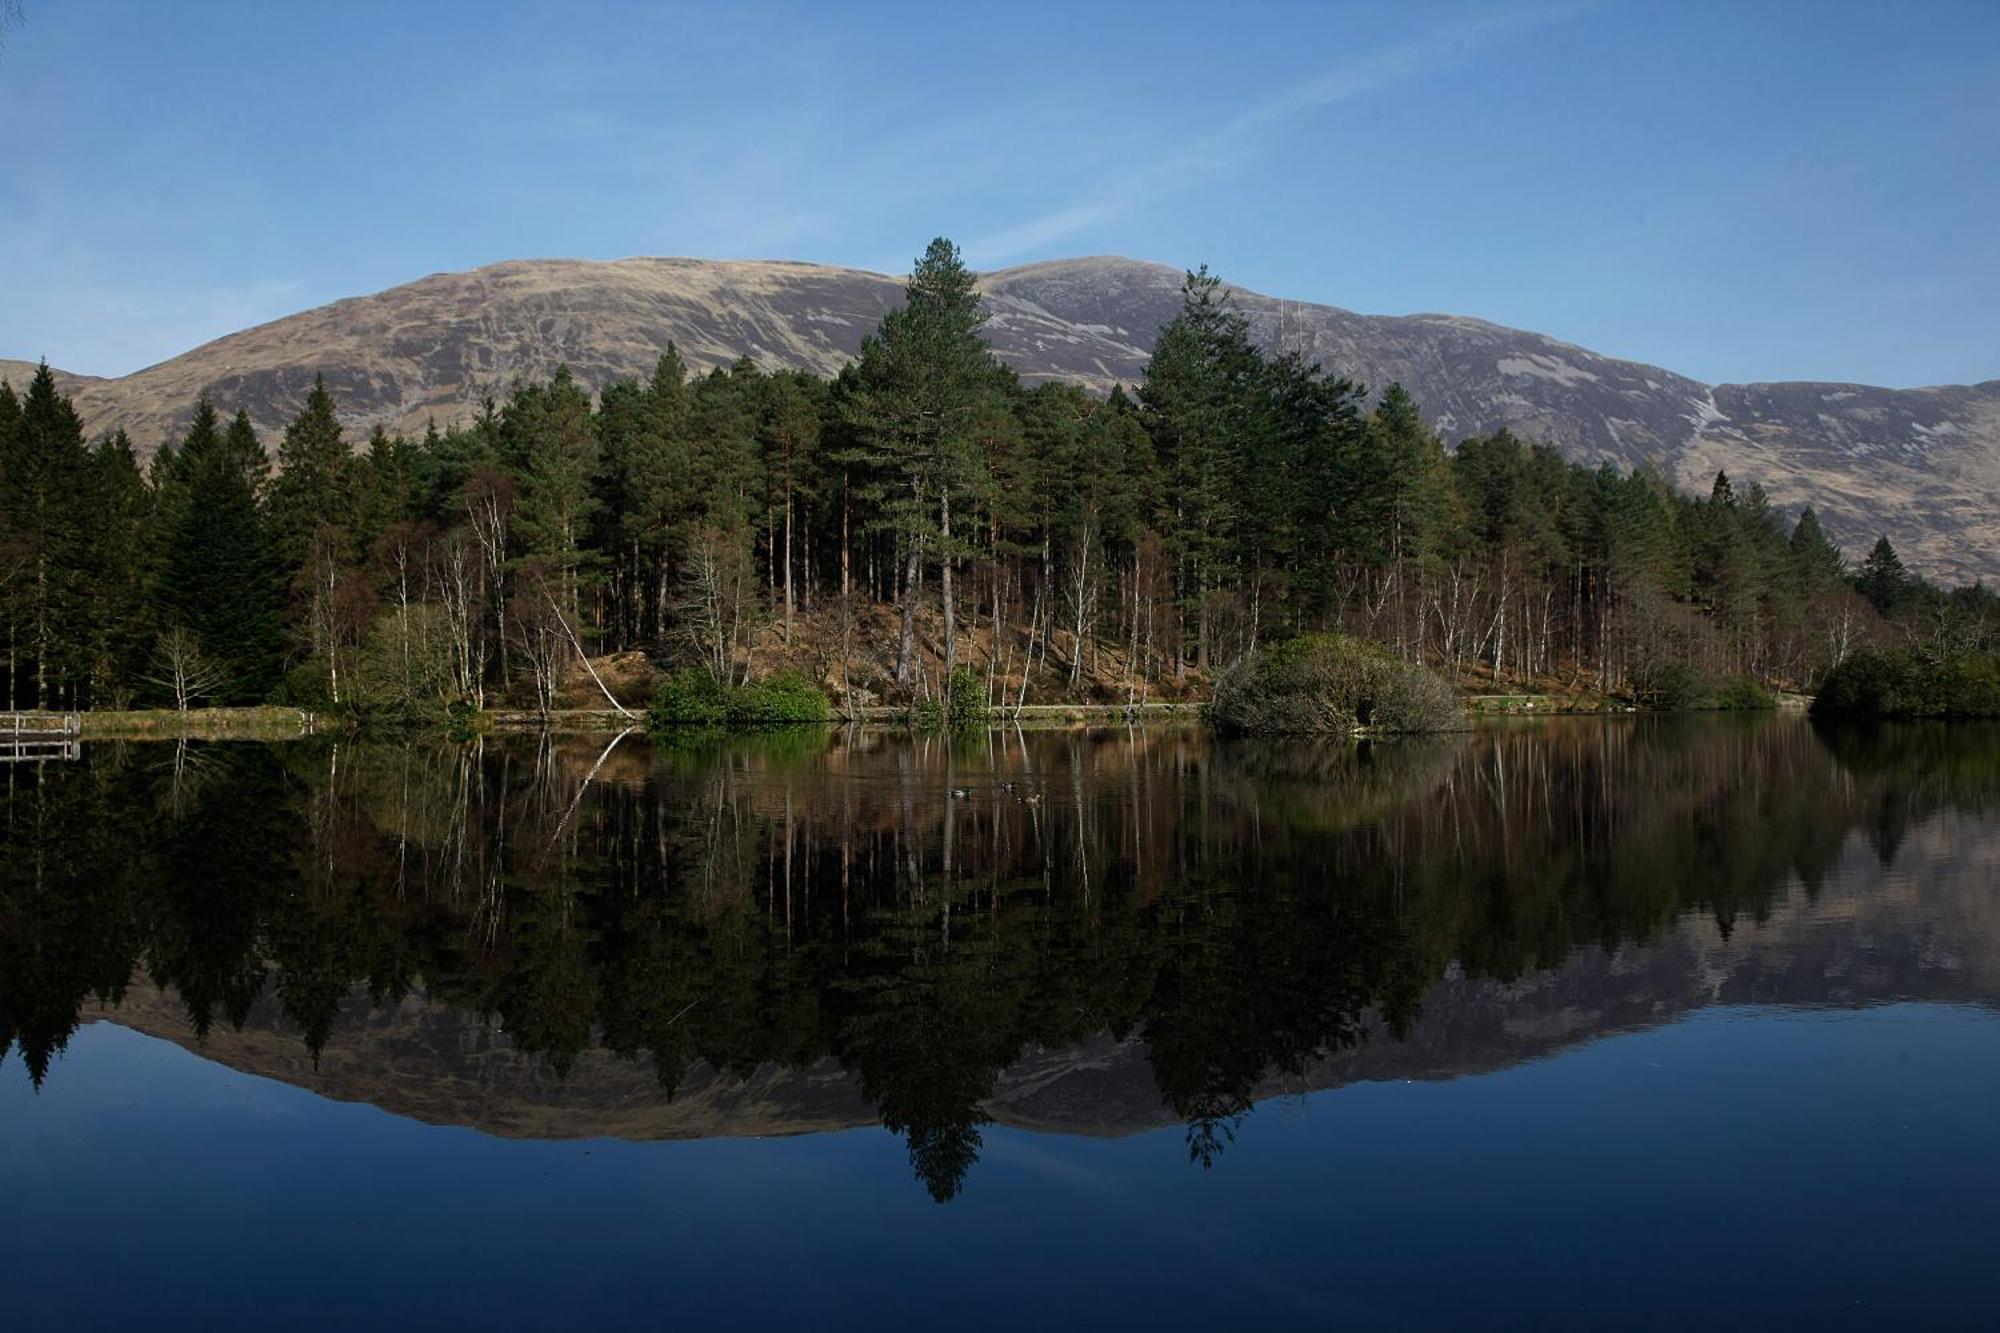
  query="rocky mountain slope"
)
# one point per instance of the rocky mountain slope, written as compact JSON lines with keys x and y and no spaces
{"x":1920,"y":464}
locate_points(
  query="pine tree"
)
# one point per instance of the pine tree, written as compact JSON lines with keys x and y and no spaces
{"x":925,"y":381}
{"x":120,"y":617}
{"x":1412,"y":501}
{"x":47,"y":472}
{"x":1883,"y":580}
{"x":315,"y":487}
{"x":550,"y":438}
{"x":13,"y":559}
{"x":647,"y":486}
{"x":220,"y":580}
{"x":1817,"y":559}
{"x":242,"y":447}
{"x":1200,"y":398}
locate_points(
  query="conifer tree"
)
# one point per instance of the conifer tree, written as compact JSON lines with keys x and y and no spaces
{"x":1412,"y":502}
{"x":119,"y":616}
{"x":1818,"y":560}
{"x":644,"y":488}
{"x":13,"y":560}
{"x":241,"y":445}
{"x":1883,"y":580}
{"x":220,"y":580}
{"x":314,"y":487}
{"x":924,"y":382}
{"x":47,"y":471}
{"x":550,"y":438}
{"x":1199,"y":396}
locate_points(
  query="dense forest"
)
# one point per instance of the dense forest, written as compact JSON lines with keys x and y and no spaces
{"x":924,"y":509}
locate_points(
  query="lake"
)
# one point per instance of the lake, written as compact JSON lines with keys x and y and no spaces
{"x":1583,"y":1022}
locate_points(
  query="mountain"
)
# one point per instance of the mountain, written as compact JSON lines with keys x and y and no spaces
{"x":1919,"y":464}
{"x":18,"y":373}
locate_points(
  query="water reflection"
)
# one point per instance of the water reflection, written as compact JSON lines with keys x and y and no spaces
{"x":1073,"y":931}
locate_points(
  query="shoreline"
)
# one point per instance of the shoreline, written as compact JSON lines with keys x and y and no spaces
{"x":273,"y":723}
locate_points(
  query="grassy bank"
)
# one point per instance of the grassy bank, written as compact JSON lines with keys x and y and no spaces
{"x":260,"y":723}
{"x":275,"y":724}
{"x":1031,"y":717}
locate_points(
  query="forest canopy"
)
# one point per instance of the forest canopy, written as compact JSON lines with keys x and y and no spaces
{"x":922,"y":510}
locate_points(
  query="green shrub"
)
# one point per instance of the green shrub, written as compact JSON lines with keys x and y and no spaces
{"x":695,"y":698}
{"x":1329,"y":683}
{"x":1666,"y":687}
{"x":689,"y":698}
{"x":1741,"y":694}
{"x":1673,"y":687}
{"x":961,"y":706}
{"x":1905,"y":684}
{"x":464,"y":719}
{"x":965,"y":700}
{"x":778,"y":700}
{"x":306,"y":685}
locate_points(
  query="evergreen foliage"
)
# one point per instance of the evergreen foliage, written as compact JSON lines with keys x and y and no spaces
{"x":740,"y":520}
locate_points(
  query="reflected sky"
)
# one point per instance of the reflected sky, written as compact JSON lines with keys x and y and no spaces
{"x":1742,"y":1168}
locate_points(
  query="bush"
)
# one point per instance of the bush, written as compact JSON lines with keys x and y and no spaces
{"x":464,"y":719}
{"x":306,"y":685}
{"x":961,"y":706}
{"x":689,"y":698}
{"x":695,"y":698}
{"x":1672,"y":687}
{"x":965,"y":700}
{"x":778,"y":700}
{"x":1331,"y":684}
{"x":1741,"y":694}
{"x":1900,"y":683}
{"x":1666,"y":687}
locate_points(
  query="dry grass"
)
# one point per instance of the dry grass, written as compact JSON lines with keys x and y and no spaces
{"x":259,"y":723}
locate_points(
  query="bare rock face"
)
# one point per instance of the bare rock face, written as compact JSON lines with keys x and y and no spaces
{"x":1921,"y":465}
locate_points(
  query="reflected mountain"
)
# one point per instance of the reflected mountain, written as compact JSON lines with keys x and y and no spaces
{"x":1088,"y":933}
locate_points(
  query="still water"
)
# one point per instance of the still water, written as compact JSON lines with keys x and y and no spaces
{"x":1584,"y":1023}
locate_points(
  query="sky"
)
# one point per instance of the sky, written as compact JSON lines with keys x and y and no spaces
{"x":1741,"y":190}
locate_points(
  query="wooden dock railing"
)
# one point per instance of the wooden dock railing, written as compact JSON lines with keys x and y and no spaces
{"x":26,"y":737}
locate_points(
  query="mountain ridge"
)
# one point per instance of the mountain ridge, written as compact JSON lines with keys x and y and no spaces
{"x":1919,"y":464}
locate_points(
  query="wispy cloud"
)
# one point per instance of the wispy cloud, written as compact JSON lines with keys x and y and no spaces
{"x":1220,"y":150}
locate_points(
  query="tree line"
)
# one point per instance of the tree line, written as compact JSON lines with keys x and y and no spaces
{"x":922,"y":510}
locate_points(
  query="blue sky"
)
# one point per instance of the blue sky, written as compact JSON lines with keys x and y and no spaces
{"x":1738,"y":191}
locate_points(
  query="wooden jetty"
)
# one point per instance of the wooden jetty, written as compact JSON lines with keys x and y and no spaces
{"x":33,"y":737}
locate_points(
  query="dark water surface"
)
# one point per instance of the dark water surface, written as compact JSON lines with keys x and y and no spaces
{"x":1584,"y":1023}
